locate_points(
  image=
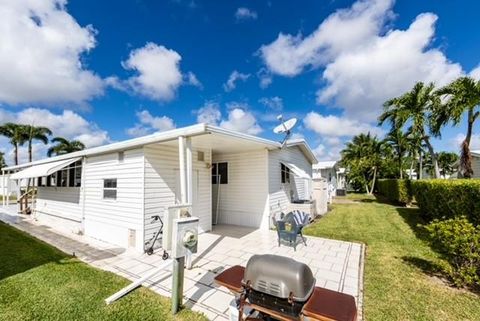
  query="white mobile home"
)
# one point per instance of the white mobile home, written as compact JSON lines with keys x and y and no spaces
{"x":111,"y":192}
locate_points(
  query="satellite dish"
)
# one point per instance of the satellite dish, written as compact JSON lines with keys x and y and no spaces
{"x":285,"y":128}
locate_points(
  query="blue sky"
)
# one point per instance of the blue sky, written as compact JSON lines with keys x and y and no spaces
{"x":103,"y":73}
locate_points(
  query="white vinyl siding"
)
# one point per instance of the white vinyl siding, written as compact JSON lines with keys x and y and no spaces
{"x":476,"y":167}
{"x":60,"y":204}
{"x":243,"y":200}
{"x":298,"y":187}
{"x":113,"y":220}
{"x":161,"y":171}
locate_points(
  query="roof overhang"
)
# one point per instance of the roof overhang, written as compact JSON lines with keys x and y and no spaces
{"x":304,"y":147}
{"x":43,"y":169}
{"x":190,"y":131}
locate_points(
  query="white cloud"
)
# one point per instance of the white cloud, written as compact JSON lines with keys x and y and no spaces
{"x":365,"y":61}
{"x":336,"y":126}
{"x":245,"y":14}
{"x":242,"y":121}
{"x":147,"y":124}
{"x":233,"y":78}
{"x":158,"y":70}
{"x":209,"y":113}
{"x":274,"y":103}
{"x":475,"y":73}
{"x":40,"y":60}
{"x":343,"y":30}
{"x":238,"y":117}
{"x":192,"y":80}
{"x":265,"y":78}
{"x":319,"y":151}
{"x":67,"y":124}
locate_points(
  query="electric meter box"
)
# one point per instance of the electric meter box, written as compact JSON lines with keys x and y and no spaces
{"x":172,"y":213}
{"x":185,"y":236}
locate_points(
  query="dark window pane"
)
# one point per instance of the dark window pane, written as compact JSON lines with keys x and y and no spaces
{"x":49,"y":180}
{"x":223,"y":172}
{"x":110,"y":183}
{"x":71,"y":177}
{"x":214,"y":174}
{"x":110,"y":193}
{"x":59,"y":179}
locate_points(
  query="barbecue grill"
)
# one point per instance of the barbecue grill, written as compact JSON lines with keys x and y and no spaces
{"x":280,"y":288}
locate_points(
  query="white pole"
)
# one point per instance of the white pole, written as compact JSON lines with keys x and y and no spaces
{"x":3,"y":188}
{"x":19,"y":193}
{"x":8,"y":188}
{"x":189,"y":158}
{"x":182,"y":161}
{"x":137,"y":283}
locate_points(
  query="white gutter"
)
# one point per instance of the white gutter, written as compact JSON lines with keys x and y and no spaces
{"x":128,"y":144}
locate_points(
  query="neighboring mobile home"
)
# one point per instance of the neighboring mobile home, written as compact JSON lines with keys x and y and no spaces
{"x":111,"y":192}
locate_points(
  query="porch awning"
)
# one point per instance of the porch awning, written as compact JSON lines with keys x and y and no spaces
{"x":296,"y":170}
{"x":43,"y":169}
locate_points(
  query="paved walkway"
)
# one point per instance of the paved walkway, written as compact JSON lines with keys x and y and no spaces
{"x":337,"y":265}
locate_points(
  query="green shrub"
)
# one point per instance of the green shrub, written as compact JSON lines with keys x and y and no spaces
{"x":438,"y":198}
{"x":395,"y":190}
{"x":458,"y":241}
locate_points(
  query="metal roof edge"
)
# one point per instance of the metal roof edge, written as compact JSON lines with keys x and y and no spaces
{"x":122,"y":145}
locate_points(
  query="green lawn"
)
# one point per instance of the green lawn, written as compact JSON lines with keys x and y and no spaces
{"x":400,"y":268}
{"x":38,"y":282}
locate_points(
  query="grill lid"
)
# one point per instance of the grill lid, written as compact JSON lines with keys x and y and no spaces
{"x":279,"y":276}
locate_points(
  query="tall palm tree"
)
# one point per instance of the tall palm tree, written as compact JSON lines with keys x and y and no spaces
{"x":399,"y":142}
{"x":415,"y":107}
{"x":36,"y":133}
{"x":460,"y":96}
{"x":363,"y":156}
{"x":64,"y":146}
{"x":17,"y":135}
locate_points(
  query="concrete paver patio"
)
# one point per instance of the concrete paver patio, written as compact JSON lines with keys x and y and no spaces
{"x":337,"y":265}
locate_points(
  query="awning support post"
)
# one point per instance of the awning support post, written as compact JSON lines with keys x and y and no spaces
{"x":189,"y":159}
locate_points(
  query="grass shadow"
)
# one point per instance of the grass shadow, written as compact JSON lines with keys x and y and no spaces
{"x":426,"y":266}
{"x":412,"y":217}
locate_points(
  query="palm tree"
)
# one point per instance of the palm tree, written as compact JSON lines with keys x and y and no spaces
{"x":16,"y":134}
{"x":447,"y":161}
{"x":399,"y":142}
{"x":415,"y":107}
{"x":64,"y":146}
{"x":460,"y":96}
{"x":36,"y":133}
{"x":363,"y":156}
{"x":2,"y":160}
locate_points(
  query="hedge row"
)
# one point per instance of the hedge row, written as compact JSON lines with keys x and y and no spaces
{"x":395,"y":190}
{"x":443,"y":199}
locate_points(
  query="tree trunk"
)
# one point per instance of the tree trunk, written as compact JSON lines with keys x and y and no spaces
{"x":420,"y":166}
{"x":433,"y":156}
{"x":30,"y":150}
{"x":465,"y":156}
{"x":400,"y":165}
{"x":374,"y":179}
{"x":15,"y":153}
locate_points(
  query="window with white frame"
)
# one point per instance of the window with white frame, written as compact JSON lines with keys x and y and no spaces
{"x":110,"y":188}
{"x":285,"y":173}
